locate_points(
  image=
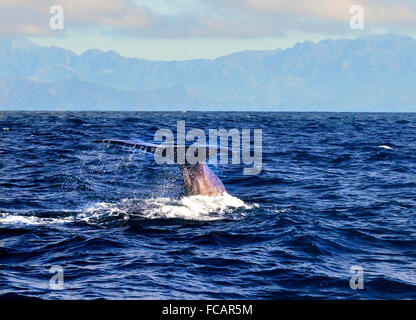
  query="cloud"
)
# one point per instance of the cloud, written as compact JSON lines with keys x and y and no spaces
{"x":109,"y":13}
{"x":271,"y":18}
{"x":380,"y":11}
{"x":25,"y":17}
{"x":211,"y":19}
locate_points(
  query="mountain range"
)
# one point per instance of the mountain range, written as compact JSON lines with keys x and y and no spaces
{"x":371,"y":73}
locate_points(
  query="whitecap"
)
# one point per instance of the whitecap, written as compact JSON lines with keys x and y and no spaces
{"x":15,"y":218}
{"x":385,"y":147}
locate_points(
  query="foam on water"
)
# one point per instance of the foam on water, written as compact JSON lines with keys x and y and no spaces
{"x":16,"y":218}
{"x":386,"y":147}
{"x":200,"y":208}
{"x":192,"y":208}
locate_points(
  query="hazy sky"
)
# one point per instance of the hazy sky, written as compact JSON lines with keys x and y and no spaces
{"x":185,"y":29}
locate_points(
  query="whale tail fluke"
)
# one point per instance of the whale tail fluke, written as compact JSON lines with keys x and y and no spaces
{"x":198,"y":179}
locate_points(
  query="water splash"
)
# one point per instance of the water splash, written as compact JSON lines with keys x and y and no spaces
{"x":201,"y":208}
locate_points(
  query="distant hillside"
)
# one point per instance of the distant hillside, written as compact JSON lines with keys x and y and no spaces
{"x":373,"y":73}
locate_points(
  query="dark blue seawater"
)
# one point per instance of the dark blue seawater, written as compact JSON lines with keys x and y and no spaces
{"x":330,"y":196}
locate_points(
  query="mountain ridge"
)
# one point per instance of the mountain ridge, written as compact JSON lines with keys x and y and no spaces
{"x":372,"y":73}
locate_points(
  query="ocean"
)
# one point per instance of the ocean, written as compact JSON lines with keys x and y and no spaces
{"x":336,"y":194}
